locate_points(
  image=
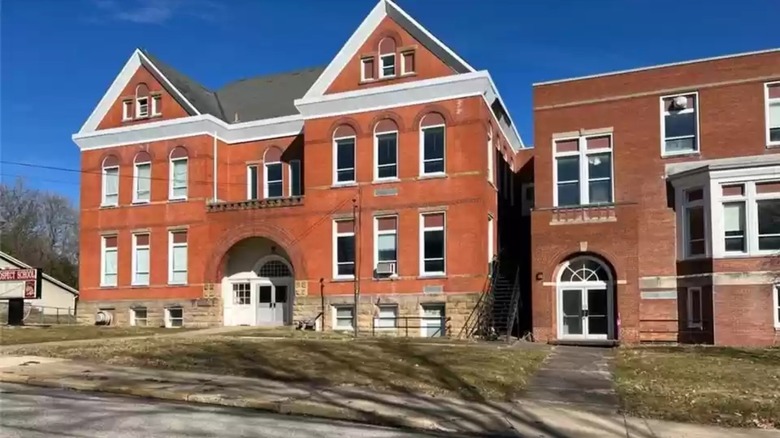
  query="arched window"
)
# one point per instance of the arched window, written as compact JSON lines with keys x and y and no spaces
{"x":110,"y":181}
{"x":584,"y":269}
{"x":142,"y":100}
{"x":344,"y":138}
{"x":178,"y":173}
{"x":385,"y":150}
{"x":274,"y":268}
{"x":273,"y":186}
{"x":142,"y":177}
{"x":387,"y":57}
{"x":432,"y":141}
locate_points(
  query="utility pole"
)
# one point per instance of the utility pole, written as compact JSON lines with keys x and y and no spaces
{"x":356,"y":277}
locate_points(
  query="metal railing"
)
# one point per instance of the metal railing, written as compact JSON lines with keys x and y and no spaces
{"x":42,"y":315}
{"x":412,"y":325}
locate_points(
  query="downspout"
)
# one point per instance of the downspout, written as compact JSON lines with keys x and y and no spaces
{"x":215,"y":167}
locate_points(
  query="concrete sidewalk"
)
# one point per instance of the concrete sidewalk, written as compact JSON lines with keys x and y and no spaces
{"x":521,"y":418}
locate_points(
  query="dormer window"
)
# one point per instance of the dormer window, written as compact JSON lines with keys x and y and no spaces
{"x":142,"y":107}
{"x":388,"y":65}
{"x":386,"y":58}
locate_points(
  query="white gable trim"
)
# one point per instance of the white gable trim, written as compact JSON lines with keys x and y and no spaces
{"x":359,"y":37}
{"x":120,"y":82}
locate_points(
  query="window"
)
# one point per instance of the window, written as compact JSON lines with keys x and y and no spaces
{"x":140,"y":259}
{"x":694,"y":307}
{"x":751,"y":217}
{"x":344,"y":317}
{"x":433,"y":248}
{"x":679,"y":124}
{"x":734,"y":226}
{"x":142,"y":107}
{"x":251,"y":182}
{"x":773,"y":114}
{"x":295,"y":178}
{"x":242,"y":293}
{"x":768,"y":212}
{"x":174,"y":317}
{"x":142,"y":178}
{"x":138,"y":317}
{"x":776,"y":306}
{"x":388,"y":65}
{"x":432,"y":131}
{"x":491,"y":156}
{"x":273,"y":180}
{"x":407,"y":63}
{"x":344,"y":249}
{"x":490,"y":250}
{"x":110,"y":181}
{"x":367,"y":69}
{"x":345,"y":160}
{"x":178,"y":176}
{"x":177,"y":257}
{"x":527,"y":201}
{"x":127,"y":110}
{"x":386,"y":150}
{"x":386,"y":317}
{"x":583,"y":171}
{"x":386,"y":245}
{"x":156,"y":105}
{"x":108,"y":262}
{"x":694,"y":223}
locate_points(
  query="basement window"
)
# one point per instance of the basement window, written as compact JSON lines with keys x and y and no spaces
{"x":138,"y":317}
{"x":174,"y":317}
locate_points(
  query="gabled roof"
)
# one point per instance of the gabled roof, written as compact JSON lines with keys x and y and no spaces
{"x":22,"y":265}
{"x":385,"y":8}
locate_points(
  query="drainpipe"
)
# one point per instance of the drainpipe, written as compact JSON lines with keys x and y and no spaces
{"x":322,"y":304}
{"x":357,"y":230}
{"x":215,"y":166}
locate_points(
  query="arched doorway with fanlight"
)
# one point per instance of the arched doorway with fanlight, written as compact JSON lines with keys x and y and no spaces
{"x":258,"y":288}
{"x":585,"y":294}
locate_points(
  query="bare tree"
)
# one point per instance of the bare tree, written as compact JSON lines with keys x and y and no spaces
{"x":41,"y":229}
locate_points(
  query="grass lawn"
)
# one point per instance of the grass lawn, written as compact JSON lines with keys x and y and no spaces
{"x":728,"y":386}
{"x":476,"y":372}
{"x":35,"y":334}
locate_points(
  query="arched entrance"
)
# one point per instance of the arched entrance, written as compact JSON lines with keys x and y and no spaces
{"x":259,"y":284}
{"x":585,"y":297}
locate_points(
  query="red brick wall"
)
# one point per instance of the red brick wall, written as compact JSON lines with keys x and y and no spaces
{"x":170,"y":107}
{"x":743,"y":315}
{"x":427,"y":65}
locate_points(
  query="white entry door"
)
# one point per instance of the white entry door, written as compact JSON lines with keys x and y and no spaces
{"x":584,"y":313}
{"x":432,"y":320}
{"x":280,"y":304}
{"x":240,"y":310}
{"x":265,"y":304}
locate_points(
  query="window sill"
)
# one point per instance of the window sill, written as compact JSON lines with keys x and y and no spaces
{"x":177,"y":199}
{"x":343,"y":185}
{"x":108,"y":286}
{"x":386,"y":181}
{"x":139,"y":286}
{"x":696,"y":257}
{"x":681,"y":154}
{"x":342,"y":279}
{"x":773,"y":145}
{"x":177,"y":284}
{"x":434,"y":276}
{"x":387,"y":78}
{"x":393,"y":277}
{"x":695,"y":327}
{"x":107,"y":206}
{"x":141,"y":202}
{"x":432,"y":176}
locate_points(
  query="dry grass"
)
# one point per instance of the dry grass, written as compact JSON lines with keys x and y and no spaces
{"x":36,"y":334}
{"x":729,"y":386}
{"x":477,"y":372}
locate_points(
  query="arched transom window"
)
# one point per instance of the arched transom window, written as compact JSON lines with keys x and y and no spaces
{"x":584,"y":269}
{"x":274,"y":268}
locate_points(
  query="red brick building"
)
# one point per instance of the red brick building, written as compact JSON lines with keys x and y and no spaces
{"x":657,"y":204}
{"x":277,"y":198}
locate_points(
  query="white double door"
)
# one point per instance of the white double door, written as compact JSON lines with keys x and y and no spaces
{"x":585,"y":312}
{"x":263,"y":302}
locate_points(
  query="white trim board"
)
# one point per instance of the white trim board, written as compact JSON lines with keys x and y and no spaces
{"x":120,"y":82}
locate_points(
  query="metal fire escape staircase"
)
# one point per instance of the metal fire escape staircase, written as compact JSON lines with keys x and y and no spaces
{"x":496,"y":312}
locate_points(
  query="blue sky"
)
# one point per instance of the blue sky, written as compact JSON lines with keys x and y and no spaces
{"x":58,"y":57}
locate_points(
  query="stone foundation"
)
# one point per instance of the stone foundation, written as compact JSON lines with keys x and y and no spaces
{"x":197,"y":313}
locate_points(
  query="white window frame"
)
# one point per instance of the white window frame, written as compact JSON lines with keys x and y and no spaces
{"x":171,"y":162}
{"x":252,"y":192}
{"x":104,"y":175}
{"x":156,"y":99}
{"x":423,"y":229}
{"x":171,"y":246}
{"x":690,"y":311}
{"x":740,"y":199}
{"x":335,"y":242}
{"x":776,"y":305}
{"x":266,"y":182}
{"x":382,"y":59}
{"x":336,"y":318}
{"x":404,"y":71}
{"x":136,"y":180}
{"x":379,"y":318}
{"x":490,"y":245}
{"x":363,"y":62}
{"x":138,"y":105}
{"x":336,"y":169}
{"x":422,"y":151}
{"x":685,"y":206}
{"x":103,"y":253}
{"x":134,"y":281}
{"x":169,"y":318}
{"x":767,"y":101}
{"x":127,"y":110}
{"x":377,"y":233}
{"x":295,"y":164}
{"x":664,"y":113}
{"x":750,"y":197}
{"x":584,"y":176}
{"x":376,"y":156}
{"x":491,"y":157}
{"x":134,"y":317}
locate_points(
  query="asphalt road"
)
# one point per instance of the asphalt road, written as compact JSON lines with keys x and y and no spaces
{"x":31,"y":412}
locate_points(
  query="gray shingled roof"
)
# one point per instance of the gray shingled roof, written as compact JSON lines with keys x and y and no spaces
{"x":256,"y":98}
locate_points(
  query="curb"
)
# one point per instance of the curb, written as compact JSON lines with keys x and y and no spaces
{"x":305,"y":408}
